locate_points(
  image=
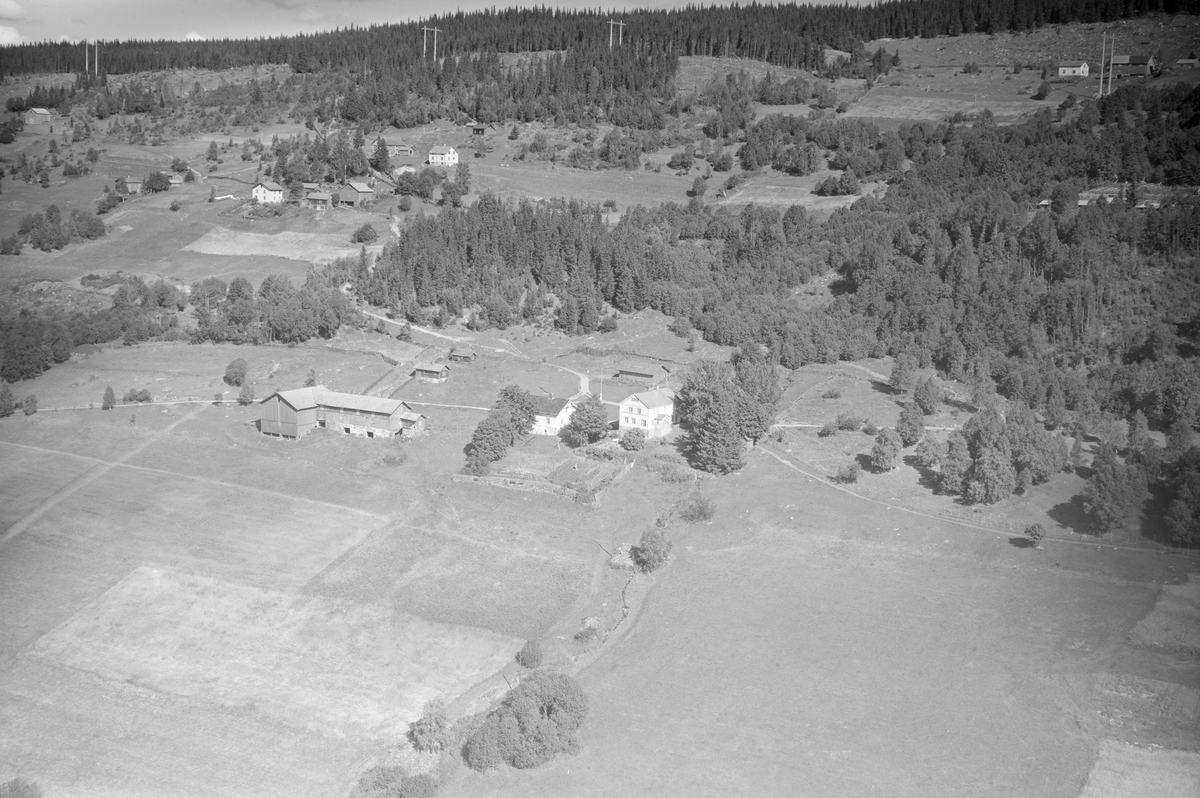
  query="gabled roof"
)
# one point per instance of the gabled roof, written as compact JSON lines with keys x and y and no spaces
{"x":268,"y":185}
{"x":319,"y":196}
{"x":40,"y":111}
{"x":441,"y":149}
{"x":550,"y":408}
{"x":657,"y":398}
{"x":430,"y":367}
{"x":311,"y":186}
{"x":361,"y":188}
{"x":1132,"y":60}
{"x":319,"y":396}
{"x":1072,"y":64}
{"x":642,"y":367}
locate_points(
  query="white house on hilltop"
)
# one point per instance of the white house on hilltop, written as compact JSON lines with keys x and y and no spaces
{"x":650,"y":411}
{"x":443,"y":156}
{"x":267,"y":193}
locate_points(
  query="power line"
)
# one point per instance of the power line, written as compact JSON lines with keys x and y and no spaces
{"x":620,"y":36}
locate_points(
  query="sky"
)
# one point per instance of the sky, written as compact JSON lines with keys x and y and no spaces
{"x":76,"y":20}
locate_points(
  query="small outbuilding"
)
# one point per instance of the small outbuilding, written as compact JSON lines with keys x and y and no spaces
{"x":318,"y":199}
{"x":355,"y":193}
{"x":401,"y":150}
{"x":38,"y":116}
{"x":463,"y":354}
{"x":431,"y":372}
{"x":1187,"y":63}
{"x":133,"y":185}
{"x":643,"y":371}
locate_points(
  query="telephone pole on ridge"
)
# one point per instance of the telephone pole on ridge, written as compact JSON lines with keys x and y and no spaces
{"x":425,"y":40}
{"x":620,"y":26}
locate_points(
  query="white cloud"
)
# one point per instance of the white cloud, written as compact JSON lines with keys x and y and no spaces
{"x":192,"y":36}
{"x":11,"y":10}
{"x":9,"y":36}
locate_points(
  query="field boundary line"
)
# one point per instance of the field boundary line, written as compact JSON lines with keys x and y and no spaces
{"x":86,"y":478}
{"x":196,"y":477}
{"x":434,"y":404}
{"x":966,"y":524}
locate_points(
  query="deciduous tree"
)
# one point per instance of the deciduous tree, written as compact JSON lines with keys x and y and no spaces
{"x":1115,"y":492}
{"x":588,"y":424}
{"x":911,"y":425}
{"x":885,"y":454}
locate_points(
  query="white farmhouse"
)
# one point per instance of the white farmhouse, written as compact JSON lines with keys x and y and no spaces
{"x":551,"y":415}
{"x":650,"y":411}
{"x":267,"y":193}
{"x":443,"y":156}
{"x":1075,"y":69}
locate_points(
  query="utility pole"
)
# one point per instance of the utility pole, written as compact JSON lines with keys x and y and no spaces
{"x":620,"y":26}
{"x":86,"y":69}
{"x":1103,"y":41}
{"x":424,"y":38}
{"x":1112,"y":58}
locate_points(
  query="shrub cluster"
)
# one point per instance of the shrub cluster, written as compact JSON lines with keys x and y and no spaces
{"x":698,"y":509}
{"x":139,"y":396}
{"x":651,"y":551}
{"x":536,"y":722}
{"x":431,"y":732}
{"x":530,"y":655}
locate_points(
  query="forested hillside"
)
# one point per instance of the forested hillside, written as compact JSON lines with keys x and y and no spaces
{"x":786,"y":35}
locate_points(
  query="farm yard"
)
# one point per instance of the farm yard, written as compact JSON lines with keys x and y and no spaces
{"x":191,"y":608}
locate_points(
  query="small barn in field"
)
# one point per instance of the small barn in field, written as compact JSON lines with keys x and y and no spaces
{"x":294,"y":413}
{"x":355,"y":193}
{"x":642,"y":371}
{"x":462,"y":354}
{"x":431,"y":372}
{"x":38,"y":116}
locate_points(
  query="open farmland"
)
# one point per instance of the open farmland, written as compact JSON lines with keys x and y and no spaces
{"x":808,"y":642}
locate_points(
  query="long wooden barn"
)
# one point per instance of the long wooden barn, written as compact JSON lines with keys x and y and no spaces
{"x":294,"y":413}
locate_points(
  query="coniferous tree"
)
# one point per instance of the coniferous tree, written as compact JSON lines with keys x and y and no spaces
{"x":716,"y":440}
{"x":110,"y":399}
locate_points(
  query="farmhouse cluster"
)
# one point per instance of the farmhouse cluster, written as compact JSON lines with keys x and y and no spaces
{"x":296,"y":412}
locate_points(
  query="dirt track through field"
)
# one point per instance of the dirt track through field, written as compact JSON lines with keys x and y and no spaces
{"x":95,"y":473}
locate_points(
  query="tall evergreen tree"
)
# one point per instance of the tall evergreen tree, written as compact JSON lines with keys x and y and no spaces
{"x":716,"y":441}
